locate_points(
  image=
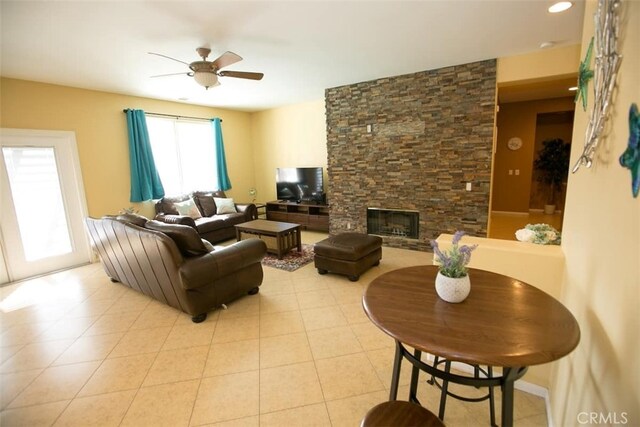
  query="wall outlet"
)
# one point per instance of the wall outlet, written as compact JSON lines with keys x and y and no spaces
{"x":348,"y":226}
{"x":510,"y":171}
{"x":517,"y":172}
{"x":468,"y":186}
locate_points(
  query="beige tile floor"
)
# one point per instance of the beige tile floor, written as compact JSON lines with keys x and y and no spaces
{"x":78,"y":350}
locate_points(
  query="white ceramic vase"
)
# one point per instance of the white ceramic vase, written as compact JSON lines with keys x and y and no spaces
{"x":452,"y":289}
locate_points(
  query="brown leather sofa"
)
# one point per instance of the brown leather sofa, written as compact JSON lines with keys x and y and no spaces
{"x":171,"y":264}
{"x":212,"y":226}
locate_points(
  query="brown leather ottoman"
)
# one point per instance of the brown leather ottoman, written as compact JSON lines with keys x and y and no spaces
{"x":350,"y":254}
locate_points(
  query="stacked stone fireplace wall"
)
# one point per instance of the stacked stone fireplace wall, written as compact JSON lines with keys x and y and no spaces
{"x":413,"y":142}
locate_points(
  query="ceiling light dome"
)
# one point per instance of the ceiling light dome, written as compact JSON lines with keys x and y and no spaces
{"x":206,"y":79}
{"x":560,"y":6}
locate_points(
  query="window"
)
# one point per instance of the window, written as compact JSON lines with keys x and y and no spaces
{"x":184,"y":153}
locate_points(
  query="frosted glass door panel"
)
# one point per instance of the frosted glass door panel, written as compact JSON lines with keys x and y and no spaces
{"x":37,"y":198}
{"x":42,"y":203}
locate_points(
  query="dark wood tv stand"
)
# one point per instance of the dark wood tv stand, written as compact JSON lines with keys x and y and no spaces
{"x":309,"y":215}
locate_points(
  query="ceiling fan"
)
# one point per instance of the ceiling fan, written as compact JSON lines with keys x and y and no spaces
{"x":206,"y":73}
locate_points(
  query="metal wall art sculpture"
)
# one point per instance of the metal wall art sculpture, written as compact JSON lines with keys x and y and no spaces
{"x":607,"y":63}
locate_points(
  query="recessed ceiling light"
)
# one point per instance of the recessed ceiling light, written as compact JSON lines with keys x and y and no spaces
{"x":545,"y":45}
{"x":183,"y":99}
{"x":573,"y":89}
{"x":560,"y":6}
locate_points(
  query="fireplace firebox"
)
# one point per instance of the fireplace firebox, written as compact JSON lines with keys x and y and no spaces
{"x":393,"y":222}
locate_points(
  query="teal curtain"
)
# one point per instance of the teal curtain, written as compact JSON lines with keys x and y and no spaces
{"x":223,"y":177}
{"x":145,"y":181}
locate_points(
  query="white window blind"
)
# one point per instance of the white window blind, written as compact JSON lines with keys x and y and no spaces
{"x":184,"y":153}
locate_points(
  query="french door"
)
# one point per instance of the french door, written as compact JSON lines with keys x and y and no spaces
{"x":42,"y":203}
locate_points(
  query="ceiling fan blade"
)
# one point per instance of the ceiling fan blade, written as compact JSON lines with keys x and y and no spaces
{"x":173,"y":74}
{"x":241,"y":75}
{"x":226,"y":59}
{"x":168,"y":57}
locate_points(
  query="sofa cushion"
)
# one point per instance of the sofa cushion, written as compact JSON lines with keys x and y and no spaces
{"x":188,"y":208}
{"x":207,"y":244}
{"x":185,"y":237}
{"x":133,"y":218}
{"x":166,"y":204}
{"x":207,"y":224}
{"x":204,"y":200}
{"x":177,"y":219}
{"x":207,"y":205}
{"x":225,"y":205}
{"x":233,"y":219}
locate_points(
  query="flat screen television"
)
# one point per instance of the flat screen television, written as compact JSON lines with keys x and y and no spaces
{"x":299,"y":184}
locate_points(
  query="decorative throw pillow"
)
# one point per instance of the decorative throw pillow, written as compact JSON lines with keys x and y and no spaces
{"x":186,"y":238}
{"x":207,"y":205}
{"x":133,"y":218}
{"x":207,"y":244}
{"x":188,"y":208}
{"x":225,"y":206}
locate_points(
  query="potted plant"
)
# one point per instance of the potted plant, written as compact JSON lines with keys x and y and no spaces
{"x":452,"y":282}
{"x":540,"y":234}
{"x":552,"y":165}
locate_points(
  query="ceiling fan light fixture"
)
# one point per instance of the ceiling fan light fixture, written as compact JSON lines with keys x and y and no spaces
{"x":205,"y":78}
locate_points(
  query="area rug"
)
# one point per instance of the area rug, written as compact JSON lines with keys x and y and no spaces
{"x":292,"y":261}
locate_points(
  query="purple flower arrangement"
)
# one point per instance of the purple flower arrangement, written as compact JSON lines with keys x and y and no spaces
{"x":453,"y":263}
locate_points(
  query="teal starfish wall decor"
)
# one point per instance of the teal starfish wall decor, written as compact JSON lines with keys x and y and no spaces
{"x":631,"y":157}
{"x":584,"y":75}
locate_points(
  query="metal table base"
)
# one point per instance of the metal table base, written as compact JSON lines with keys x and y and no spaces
{"x":505,"y":381}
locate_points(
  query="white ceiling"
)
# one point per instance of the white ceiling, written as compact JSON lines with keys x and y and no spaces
{"x":302,"y":47}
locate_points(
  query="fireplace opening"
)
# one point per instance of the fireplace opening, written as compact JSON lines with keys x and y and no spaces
{"x":393,"y":222}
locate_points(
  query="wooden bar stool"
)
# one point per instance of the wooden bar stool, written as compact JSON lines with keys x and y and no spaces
{"x":398,"y":413}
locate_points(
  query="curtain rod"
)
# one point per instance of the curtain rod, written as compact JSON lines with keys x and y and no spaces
{"x":173,"y":115}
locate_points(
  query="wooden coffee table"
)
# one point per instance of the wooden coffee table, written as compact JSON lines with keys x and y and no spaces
{"x":280,"y":237}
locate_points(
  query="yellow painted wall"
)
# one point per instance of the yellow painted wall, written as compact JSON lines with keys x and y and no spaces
{"x":511,"y":193}
{"x":601,"y":242}
{"x":291,"y":136}
{"x":545,"y":64}
{"x":101,"y":134}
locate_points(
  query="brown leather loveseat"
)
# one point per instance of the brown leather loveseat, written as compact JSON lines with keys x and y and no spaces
{"x":211,"y":224}
{"x":171,"y":264}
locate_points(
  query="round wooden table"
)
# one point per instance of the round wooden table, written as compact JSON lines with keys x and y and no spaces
{"x":503,"y":322}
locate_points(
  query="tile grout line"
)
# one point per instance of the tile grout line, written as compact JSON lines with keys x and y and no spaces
{"x":315,"y":366}
{"x":193,"y":406}
{"x":259,"y":358}
{"x":51,"y":364}
{"x":137,"y":390}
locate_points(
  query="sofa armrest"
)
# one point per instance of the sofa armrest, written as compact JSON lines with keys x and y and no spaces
{"x":201,"y":271}
{"x":249,"y":209}
{"x":176,"y":219}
